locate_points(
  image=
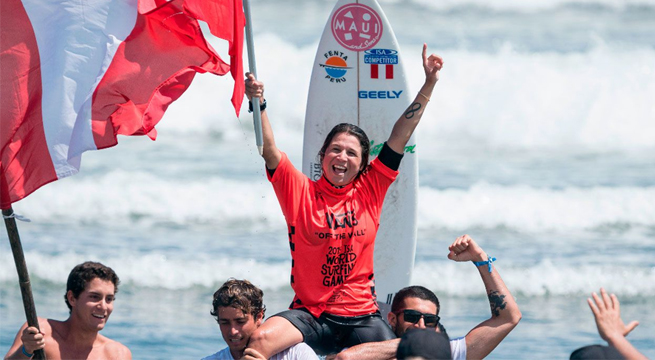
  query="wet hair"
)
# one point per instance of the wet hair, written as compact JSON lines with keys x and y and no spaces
{"x":239,"y":294}
{"x":353,"y":130}
{"x":84,"y":273}
{"x":419,"y":292}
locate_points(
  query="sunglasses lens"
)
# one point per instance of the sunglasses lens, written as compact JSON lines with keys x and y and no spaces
{"x":412,"y":316}
{"x":430,"y":320}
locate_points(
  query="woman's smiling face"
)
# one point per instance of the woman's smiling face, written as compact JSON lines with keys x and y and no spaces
{"x":342,"y":160}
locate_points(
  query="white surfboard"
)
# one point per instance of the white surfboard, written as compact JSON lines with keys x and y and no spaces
{"x":358,"y":77}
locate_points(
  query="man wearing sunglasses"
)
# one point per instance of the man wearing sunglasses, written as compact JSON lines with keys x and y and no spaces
{"x":418,"y":307}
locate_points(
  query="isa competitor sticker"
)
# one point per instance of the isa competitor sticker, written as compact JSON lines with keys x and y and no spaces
{"x":385,"y":58}
{"x":356,"y":27}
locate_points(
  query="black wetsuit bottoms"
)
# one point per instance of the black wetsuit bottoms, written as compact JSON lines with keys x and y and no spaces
{"x":329,"y":334}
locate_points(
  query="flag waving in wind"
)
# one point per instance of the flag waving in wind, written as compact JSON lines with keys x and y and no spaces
{"x":74,"y":75}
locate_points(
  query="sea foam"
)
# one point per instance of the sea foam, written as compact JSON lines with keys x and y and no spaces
{"x":146,"y":200}
{"x":543,"y":278}
{"x":599,"y":100}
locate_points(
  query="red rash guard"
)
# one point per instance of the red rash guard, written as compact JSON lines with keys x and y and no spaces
{"x":331,"y":236}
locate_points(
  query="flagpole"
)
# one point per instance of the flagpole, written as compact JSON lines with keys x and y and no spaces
{"x":23,"y":275}
{"x":256,"y":115}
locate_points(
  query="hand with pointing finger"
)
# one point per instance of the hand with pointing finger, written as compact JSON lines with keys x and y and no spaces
{"x":432,"y":65}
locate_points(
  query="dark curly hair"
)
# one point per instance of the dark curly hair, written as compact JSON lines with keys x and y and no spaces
{"x":239,"y":294}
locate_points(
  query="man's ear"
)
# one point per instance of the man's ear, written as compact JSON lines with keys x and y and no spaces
{"x":393,"y":320}
{"x":259,"y":318}
{"x":71,"y":298}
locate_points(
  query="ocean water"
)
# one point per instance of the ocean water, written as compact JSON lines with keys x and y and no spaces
{"x":539,"y":142}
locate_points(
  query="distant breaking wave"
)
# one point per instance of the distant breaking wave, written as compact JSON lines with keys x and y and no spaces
{"x":530,"y":209}
{"x":540,"y":279}
{"x":597,"y":100}
{"x":146,"y":200}
{"x":444,"y":277}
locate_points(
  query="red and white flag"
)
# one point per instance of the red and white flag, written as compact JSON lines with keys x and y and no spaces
{"x":74,"y":75}
{"x":388,"y":71}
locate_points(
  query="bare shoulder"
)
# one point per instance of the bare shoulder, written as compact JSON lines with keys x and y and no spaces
{"x":112,"y":349}
{"x":44,"y":326}
{"x":50,"y":326}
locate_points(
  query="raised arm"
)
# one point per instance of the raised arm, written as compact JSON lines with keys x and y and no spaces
{"x":271,"y":153}
{"x":408,"y":121}
{"x":505,"y":313}
{"x":607,"y":313}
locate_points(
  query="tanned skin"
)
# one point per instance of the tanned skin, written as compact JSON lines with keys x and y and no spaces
{"x":481,"y":340}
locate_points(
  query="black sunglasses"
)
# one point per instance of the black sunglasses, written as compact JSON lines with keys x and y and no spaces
{"x":413,"y":316}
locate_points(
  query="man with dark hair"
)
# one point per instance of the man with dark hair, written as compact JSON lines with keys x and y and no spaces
{"x":238,"y":307}
{"x":418,"y":307}
{"x":400,"y":302}
{"x":90,"y":292}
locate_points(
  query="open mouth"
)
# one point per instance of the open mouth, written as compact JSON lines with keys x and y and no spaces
{"x":99,"y":316}
{"x":338,"y":169}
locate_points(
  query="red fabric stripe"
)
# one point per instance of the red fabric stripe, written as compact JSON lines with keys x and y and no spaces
{"x":226,"y":21}
{"x":389,"y":74}
{"x":25,"y":162}
{"x":152,"y":68}
{"x":374,"y":71}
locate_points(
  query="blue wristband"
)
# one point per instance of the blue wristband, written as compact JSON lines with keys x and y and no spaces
{"x":488,"y":262}
{"x":25,"y":352}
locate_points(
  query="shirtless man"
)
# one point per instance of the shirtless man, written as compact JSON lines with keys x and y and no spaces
{"x":418,"y":307}
{"x":90,"y":293}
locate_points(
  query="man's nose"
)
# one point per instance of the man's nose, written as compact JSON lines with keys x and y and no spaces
{"x":421,"y":323}
{"x":103,"y":304}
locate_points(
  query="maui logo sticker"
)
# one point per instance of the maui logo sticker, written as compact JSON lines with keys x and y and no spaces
{"x":335,"y":66}
{"x":356,"y":27}
{"x":385,"y":58}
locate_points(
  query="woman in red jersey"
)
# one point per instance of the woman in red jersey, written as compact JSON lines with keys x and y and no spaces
{"x":332,"y":225}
